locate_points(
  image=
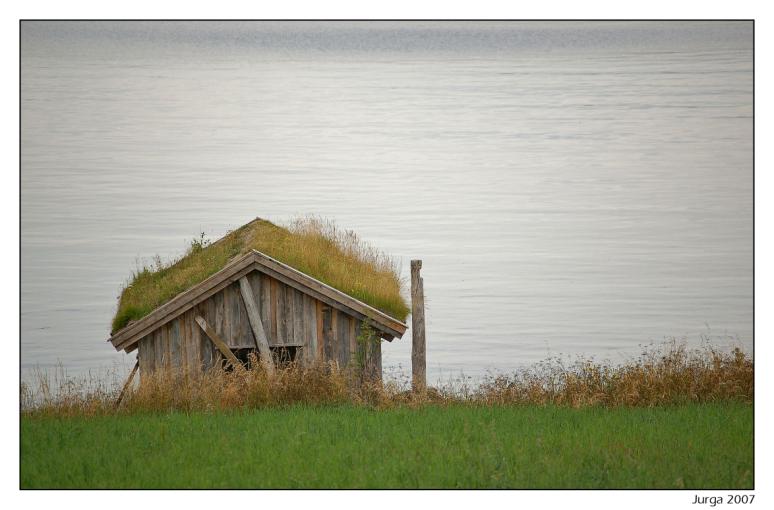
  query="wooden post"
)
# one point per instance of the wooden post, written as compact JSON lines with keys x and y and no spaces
{"x":254,"y":317}
{"x":127,"y":384}
{"x":418,"y":361}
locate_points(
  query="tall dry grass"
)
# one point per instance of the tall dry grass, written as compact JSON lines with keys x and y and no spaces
{"x":670,"y":375}
{"x":312,"y":245}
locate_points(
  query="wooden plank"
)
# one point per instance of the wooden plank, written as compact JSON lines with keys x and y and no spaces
{"x":282,"y":332}
{"x":219,"y":311}
{"x":342,"y":339}
{"x":144,"y":355}
{"x":174,"y":343}
{"x":158,"y":349}
{"x":319,"y":332}
{"x":217,"y":357}
{"x":352,"y":337}
{"x":227,"y":309}
{"x":418,"y":362}
{"x":126,"y":385}
{"x":205,"y":347}
{"x":290,"y":312}
{"x":219,"y":343}
{"x":266,"y":305}
{"x":185,"y":347}
{"x":194,"y":341}
{"x":359,"y":350}
{"x":376,"y":358}
{"x":273,"y":338}
{"x":328,"y":338}
{"x":298,"y":316}
{"x":254,"y":279}
{"x":254,"y":317}
{"x":310,"y":330}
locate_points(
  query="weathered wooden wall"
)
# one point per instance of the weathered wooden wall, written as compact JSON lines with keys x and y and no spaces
{"x":289,"y":317}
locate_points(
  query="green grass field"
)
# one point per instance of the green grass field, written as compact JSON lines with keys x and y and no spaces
{"x":691,"y":446}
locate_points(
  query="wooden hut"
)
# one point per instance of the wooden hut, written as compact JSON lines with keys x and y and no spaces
{"x":258,"y":304}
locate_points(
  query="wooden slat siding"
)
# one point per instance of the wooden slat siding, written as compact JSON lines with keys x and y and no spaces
{"x":227,"y":326}
{"x":186,"y":300}
{"x":206,"y":310}
{"x":158,"y":350}
{"x":358,"y":353}
{"x":298,"y":319}
{"x":290,"y":312}
{"x":305,"y":356}
{"x":194,"y":341}
{"x":320,"y":331}
{"x":174,"y":343}
{"x":152,"y":350}
{"x":184,"y":347}
{"x":312,"y":286}
{"x":273,"y":339}
{"x":342,"y":339}
{"x":334,"y":348}
{"x":310,"y":330}
{"x":282,"y":311}
{"x":185,"y":344}
{"x":265,"y":305}
{"x":144,"y":355}
{"x":218,"y":301}
{"x":237,"y":329}
{"x":376,"y":357}
{"x":328,"y":337}
{"x":353,"y":338}
{"x":217,"y":304}
{"x":254,"y":279}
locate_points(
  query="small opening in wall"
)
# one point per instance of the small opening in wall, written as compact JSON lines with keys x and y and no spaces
{"x":284,"y":355}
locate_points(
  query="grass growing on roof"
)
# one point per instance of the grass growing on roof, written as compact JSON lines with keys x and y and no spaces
{"x":313,"y":246}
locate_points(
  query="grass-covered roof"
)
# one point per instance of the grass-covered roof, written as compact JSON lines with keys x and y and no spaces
{"x":313,"y":246}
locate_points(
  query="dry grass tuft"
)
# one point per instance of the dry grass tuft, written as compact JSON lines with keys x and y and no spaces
{"x":311,"y":245}
{"x":672,"y":374}
{"x":668,"y":376}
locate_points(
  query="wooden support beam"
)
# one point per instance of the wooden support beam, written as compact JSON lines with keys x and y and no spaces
{"x":254,"y":317}
{"x":219,"y":343}
{"x":418,"y":361}
{"x":127,"y":384}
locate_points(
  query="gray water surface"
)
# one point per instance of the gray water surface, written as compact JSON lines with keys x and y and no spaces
{"x":573,"y":188}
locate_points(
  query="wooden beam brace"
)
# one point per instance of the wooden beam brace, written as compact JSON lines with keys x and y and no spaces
{"x":127,"y":384}
{"x":254,"y":317}
{"x":219,"y":343}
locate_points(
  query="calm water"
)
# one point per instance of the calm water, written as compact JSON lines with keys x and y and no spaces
{"x":573,"y":188}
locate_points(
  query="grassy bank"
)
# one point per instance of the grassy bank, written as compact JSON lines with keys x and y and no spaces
{"x":688,"y":446}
